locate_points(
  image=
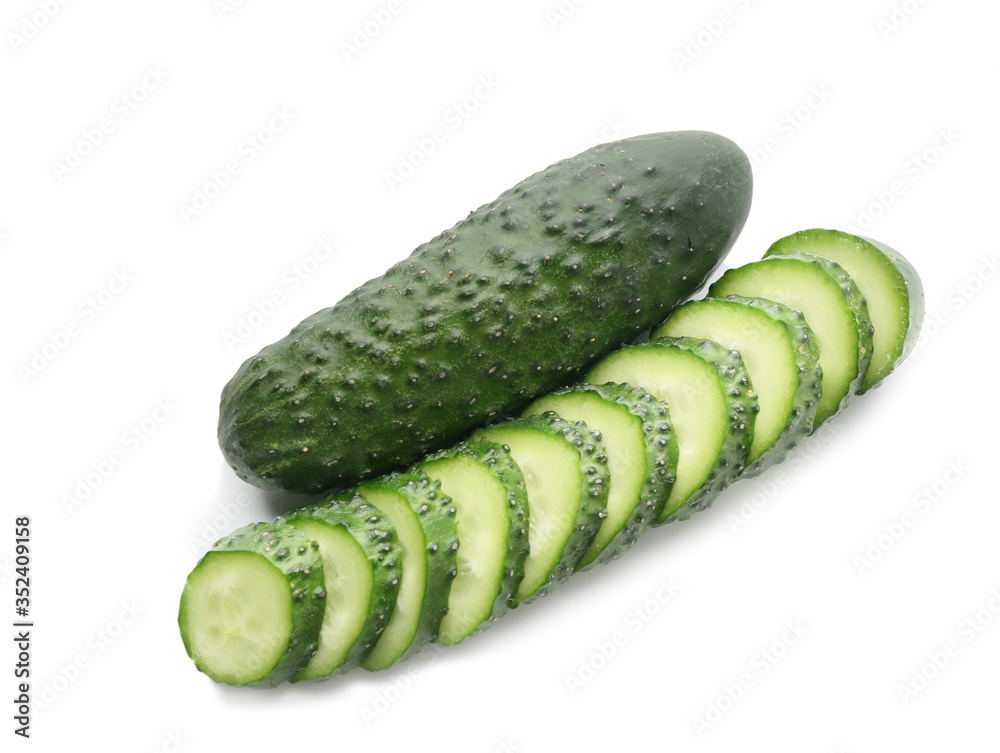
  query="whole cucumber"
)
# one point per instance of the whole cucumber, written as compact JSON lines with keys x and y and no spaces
{"x":514,"y":301}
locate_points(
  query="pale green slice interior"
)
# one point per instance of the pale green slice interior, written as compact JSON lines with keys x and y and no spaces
{"x":768,"y":354}
{"x":806,"y":287}
{"x":551,"y":469}
{"x":693,"y":393}
{"x":405,"y":620}
{"x":236,"y":616}
{"x":349,"y":582}
{"x":483,"y":523}
{"x":625,"y":443}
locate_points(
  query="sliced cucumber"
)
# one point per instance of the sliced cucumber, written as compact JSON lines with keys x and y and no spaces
{"x":887,"y":281}
{"x":424,"y":519}
{"x":642,"y":457}
{"x":252,"y":608}
{"x":781,"y":357}
{"x":491,"y":512}
{"x":565,"y":469}
{"x":708,"y":394}
{"x":834,"y":310}
{"x":361,"y":564}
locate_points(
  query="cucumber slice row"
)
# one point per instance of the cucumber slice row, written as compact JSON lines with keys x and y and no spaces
{"x":488,"y":491}
{"x":565,"y":469}
{"x":782,"y":360}
{"x":642,"y":457}
{"x":252,"y":608}
{"x":887,"y":281}
{"x":708,"y":394}
{"x":832,"y":305}
{"x":361,"y":565}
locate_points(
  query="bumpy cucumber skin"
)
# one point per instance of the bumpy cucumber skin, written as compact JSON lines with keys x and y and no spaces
{"x":855,"y":302}
{"x":595,"y":482}
{"x":661,"y":461}
{"x":800,"y":421}
{"x":503,"y":307}
{"x":909,"y":285}
{"x":497,"y":458}
{"x":436,"y":514}
{"x":297,"y":557}
{"x":377,"y":536}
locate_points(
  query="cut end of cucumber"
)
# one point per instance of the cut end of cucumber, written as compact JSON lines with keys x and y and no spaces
{"x":235,"y":616}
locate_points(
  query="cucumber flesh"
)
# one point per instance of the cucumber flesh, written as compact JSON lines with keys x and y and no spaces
{"x":565,"y":473}
{"x":888,"y":282}
{"x":833,"y":308}
{"x":707,"y":392}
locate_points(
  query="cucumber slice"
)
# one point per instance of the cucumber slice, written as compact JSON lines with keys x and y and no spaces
{"x":834,"y":310}
{"x":781,"y":357}
{"x":708,"y":394}
{"x":642,"y":457}
{"x":424,"y":519}
{"x":251,"y":609}
{"x":888,"y":282}
{"x":361,"y":559}
{"x":566,"y":473}
{"x":491,"y":513}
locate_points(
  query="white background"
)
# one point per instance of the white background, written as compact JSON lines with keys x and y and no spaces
{"x":878,"y":115}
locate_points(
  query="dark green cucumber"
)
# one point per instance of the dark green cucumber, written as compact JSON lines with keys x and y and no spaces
{"x":781,"y":358}
{"x":505,"y":306}
{"x":252,"y":608}
{"x":833,"y":307}
{"x":565,"y":470}
{"x":887,"y":281}
{"x":361,"y":565}
{"x":642,"y":457}
{"x":708,"y":394}
{"x":424,"y":519}
{"x":488,"y":492}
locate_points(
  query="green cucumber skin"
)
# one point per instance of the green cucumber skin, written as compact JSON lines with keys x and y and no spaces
{"x":436,"y":515}
{"x":298,"y":558}
{"x":377,"y":536}
{"x":742,"y":411}
{"x":661,"y":461}
{"x":497,"y":458}
{"x":503,"y":307}
{"x":593,"y":505}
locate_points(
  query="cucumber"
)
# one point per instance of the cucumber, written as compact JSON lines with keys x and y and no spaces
{"x":886,"y":280}
{"x":424,"y":519}
{"x":252,"y":608}
{"x":361,"y":565}
{"x":642,"y":457}
{"x":505,"y":306}
{"x":488,"y":492}
{"x":565,"y":468}
{"x":781,"y":358}
{"x":833,"y":307}
{"x":708,"y":394}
